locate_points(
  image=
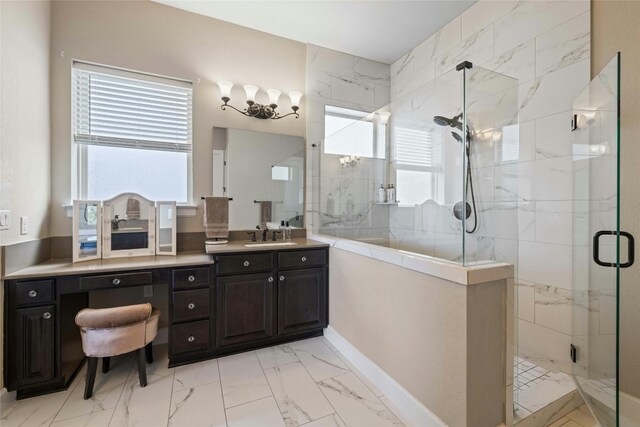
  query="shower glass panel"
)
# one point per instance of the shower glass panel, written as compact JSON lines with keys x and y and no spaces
{"x":449,"y":149}
{"x":599,"y":249}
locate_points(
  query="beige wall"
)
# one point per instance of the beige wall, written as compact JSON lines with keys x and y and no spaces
{"x":154,"y":38}
{"x":440,"y":340}
{"x":615,"y":28}
{"x":25,"y":143}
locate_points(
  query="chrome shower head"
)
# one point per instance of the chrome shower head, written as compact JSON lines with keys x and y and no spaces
{"x":445,"y":121}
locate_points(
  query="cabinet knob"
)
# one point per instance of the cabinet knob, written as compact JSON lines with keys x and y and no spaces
{"x":33,"y":293}
{"x":116,"y":281}
{"x":191,"y":278}
{"x":246,"y":263}
{"x":304,"y":258}
{"x":191,"y":338}
{"x":282,"y":278}
{"x":191,"y":306}
{"x":270,"y":279}
{"x":46,"y":315}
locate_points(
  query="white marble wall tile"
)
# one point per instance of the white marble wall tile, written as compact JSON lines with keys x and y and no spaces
{"x":517,"y":62}
{"x":526,"y":221}
{"x":553,"y":308}
{"x":355,"y":403}
{"x":565,"y":45}
{"x":448,"y":37}
{"x":553,"y":178}
{"x":552,"y":93}
{"x":263,"y":413}
{"x":526,"y":300}
{"x":375,"y":72}
{"x":198,"y":406}
{"x":544,"y":347}
{"x":425,"y":52}
{"x":320,"y":360}
{"x":351,"y":90}
{"x":402,"y":68}
{"x":328,"y":60}
{"x":553,"y":136}
{"x":242,"y":379}
{"x":318,"y":84}
{"x":546,"y":263}
{"x":299,"y":399}
{"x":506,"y":250}
{"x":533,"y":18}
{"x":382,"y":95}
{"x":477,"y":48}
{"x":538,"y":396}
{"x":196,"y":374}
{"x":507,"y":179}
{"x":483,"y":13}
{"x":554,"y":222}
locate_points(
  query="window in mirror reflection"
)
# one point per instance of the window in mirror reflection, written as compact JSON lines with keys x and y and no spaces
{"x":353,"y":133}
{"x":281,"y":173}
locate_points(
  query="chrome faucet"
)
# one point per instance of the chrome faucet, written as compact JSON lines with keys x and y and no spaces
{"x":115,"y":223}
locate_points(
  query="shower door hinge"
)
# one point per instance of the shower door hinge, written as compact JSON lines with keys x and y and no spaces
{"x":574,"y":353}
{"x":574,"y":122}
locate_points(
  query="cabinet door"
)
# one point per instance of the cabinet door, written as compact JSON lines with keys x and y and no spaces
{"x":301,"y":300}
{"x":34,"y":344}
{"x":245,"y":308}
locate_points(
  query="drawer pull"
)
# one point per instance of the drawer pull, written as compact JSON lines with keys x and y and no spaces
{"x":191,"y":338}
{"x":270,"y":279}
{"x":246,"y":263}
{"x":116,"y":282}
{"x":191,"y":278}
{"x":46,"y":315}
{"x":282,"y":278}
{"x":191,"y":306}
{"x":304,"y":258}
{"x":33,"y":293}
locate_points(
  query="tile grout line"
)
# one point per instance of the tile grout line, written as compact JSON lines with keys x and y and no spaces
{"x":76,"y":381}
{"x":173,"y":381}
{"x":270,"y":388}
{"x":224,"y":409}
{"x":124,"y":386}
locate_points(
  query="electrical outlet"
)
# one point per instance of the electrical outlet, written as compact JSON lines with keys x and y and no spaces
{"x":148,"y":291}
{"x":5,"y":219}
{"x":24,"y":225}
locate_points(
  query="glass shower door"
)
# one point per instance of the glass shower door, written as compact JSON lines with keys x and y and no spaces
{"x":600,"y":248}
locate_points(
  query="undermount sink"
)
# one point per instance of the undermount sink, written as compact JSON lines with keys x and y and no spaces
{"x":258,"y":245}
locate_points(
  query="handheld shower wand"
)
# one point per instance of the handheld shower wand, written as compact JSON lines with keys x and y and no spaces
{"x":459,"y":209}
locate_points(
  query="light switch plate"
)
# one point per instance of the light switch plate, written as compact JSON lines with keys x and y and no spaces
{"x":24,"y":225}
{"x":5,"y":219}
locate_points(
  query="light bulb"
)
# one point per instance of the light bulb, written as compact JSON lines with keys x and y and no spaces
{"x":274,"y":95}
{"x":251,"y":91}
{"x":295,"y":99}
{"x":225,"y":88}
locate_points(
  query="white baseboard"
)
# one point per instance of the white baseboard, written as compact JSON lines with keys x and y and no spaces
{"x":411,"y":407}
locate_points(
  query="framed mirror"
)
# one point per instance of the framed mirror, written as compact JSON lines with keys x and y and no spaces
{"x":87,"y":230}
{"x":166,"y":227}
{"x":263,"y":173}
{"x":129,"y":226}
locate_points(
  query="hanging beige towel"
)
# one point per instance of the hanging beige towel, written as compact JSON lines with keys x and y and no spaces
{"x":265,"y":213}
{"x":216,"y":217}
{"x":133,"y":209}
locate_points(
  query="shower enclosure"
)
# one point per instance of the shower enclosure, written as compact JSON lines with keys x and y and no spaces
{"x":449,"y":149}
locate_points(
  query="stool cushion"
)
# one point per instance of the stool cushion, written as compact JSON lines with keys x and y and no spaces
{"x":113,"y":331}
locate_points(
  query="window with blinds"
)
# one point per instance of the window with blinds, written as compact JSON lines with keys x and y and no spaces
{"x":415,"y":147}
{"x":133,"y":132}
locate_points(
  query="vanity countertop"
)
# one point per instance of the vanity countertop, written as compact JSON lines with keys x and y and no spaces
{"x":65,"y":267}
{"x":246,"y":246}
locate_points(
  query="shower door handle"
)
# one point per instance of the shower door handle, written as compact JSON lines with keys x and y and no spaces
{"x":630,"y":246}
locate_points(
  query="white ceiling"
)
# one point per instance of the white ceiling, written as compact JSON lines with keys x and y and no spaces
{"x":381,"y":30}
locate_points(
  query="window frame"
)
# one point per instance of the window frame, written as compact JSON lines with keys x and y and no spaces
{"x":79,"y":178}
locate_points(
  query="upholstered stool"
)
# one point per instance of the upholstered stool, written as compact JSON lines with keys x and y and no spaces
{"x":108,"y":332}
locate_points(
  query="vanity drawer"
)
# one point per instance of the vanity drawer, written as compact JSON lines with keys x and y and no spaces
{"x":190,"y":278}
{"x":118,"y":280}
{"x":249,"y":263}
{"x":34,"y":292}
{"x":190,"y":305}
{"x":306,"y":258}
{"x":189,"y":337}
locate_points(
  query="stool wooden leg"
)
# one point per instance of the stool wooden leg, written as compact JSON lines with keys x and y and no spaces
{"x":149,"y":352}
{"x":142,"y":367}
{"x":105,"y":364}
{"x":92,"y":367}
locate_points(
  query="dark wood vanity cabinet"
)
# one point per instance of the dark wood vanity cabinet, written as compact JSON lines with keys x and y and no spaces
{"x":242,"y":301}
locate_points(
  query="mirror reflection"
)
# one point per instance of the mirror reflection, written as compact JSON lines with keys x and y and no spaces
{"x":263,"y":173}
{"x":131,"y":221}
{"x":166,"y":227}
{"x":87,"y":242}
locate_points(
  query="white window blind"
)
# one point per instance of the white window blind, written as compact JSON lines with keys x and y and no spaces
{"x":130,"y":110}
{"x":415,"y":147}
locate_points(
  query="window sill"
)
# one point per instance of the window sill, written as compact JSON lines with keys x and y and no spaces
{"x":188,"y":211}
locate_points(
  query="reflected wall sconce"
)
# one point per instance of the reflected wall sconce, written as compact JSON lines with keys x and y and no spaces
{"x":259,"y":111}
{"x":349,"y":161}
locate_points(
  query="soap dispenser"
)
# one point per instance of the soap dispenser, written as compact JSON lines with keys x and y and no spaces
{"x":382,"y":195}
{"x":287,"y":231}
{"x":283,"y":230}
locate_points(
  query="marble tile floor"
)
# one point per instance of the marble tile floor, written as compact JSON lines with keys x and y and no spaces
{"x":536,"y":388}
{"x":306,"y":383}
